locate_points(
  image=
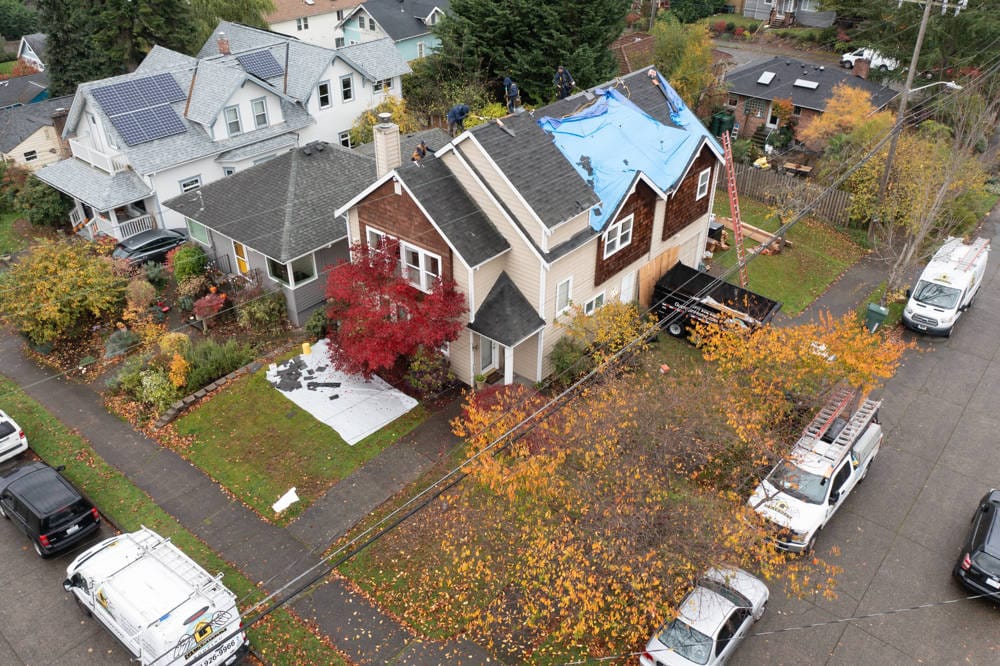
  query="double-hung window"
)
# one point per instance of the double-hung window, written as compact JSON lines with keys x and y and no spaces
{"x":259,"y":108}
{"x":704,"y":179}
{"x":591,"y":306}
{"x":347,"y":88}
{"x":302,"y":23}
{"x":618,"y":236}
{"x":422,"y":268}
{"x":233,"y":124}
{"x":324,"y":94}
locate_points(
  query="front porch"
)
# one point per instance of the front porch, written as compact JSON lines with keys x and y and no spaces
{"x":107,"y":223}
{"x":505,"y":323}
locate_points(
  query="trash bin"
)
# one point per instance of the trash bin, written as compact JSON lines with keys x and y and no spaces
{"x":729,"y":9}
{"x":726,"y":122}
{"x":875,"y":316}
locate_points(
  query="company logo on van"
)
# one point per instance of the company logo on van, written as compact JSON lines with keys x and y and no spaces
{"x":199,"y":634}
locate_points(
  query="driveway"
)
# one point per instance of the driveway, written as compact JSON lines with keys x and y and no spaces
{"x":900,"y":532}
{"x":39,"y":621}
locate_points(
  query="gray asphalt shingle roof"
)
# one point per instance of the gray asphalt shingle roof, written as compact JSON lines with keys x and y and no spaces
{"x":160,"y":59}
{"x":22,"y":89}
{"x":378,"y":59}
{"x":506,"y":316}
{"x":214,"y":85}
{"x":536,"y":168}
{"x":284,"y":207}
{"x":434,"y":137}
{"x":401,"y":19}
{"x":786,"y":71}
{"x":462,"y":222}
{"x":259,"y":148}
{"x":101,"y":190}
{"x":20,"y":122}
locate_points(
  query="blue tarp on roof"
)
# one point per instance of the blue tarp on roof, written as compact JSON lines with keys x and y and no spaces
{"x":612,"y":140}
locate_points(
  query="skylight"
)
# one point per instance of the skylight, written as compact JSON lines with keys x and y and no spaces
{"x":804,"y":83}
{"x":766,"y":78}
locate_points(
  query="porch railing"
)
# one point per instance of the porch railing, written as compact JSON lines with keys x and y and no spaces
{"x":125,"y":229}
{"x":110,"y":162}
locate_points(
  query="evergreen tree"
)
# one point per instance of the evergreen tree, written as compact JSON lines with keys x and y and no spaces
{"x":208,"y":13}
{"x":73,"y":56}
{"x":528,"y":39}
{"x":16,"y":20}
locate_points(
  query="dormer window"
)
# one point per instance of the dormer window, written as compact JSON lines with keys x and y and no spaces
{"x":371,"y":24}
{"x":361,"y":22}
{"x":259,"y":108}
{"x":233,"y":124}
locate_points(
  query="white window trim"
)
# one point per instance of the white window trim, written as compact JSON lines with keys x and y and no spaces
{"x":302,"y":23}
{"x":184,"y":185}
{"x":253,"y":111}
{"x":569,"y":296}
{"x":228,"y":171}
{"x":350,"y":78}
{"x":239,"y":120}
{"x":329,"y":94}
{"x":194,"y":223}
{"x":30,"y":155}
{"x":292,"y":284}
{"x":341,"y":138}
{"x":420,"y":50}
{"x":591,"y":306}
{"x":424,"y":283}
{"x":613,"y":236}
{"x":704,"y":183}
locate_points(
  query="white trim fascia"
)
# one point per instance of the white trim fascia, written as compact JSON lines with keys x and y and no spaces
{"x":503,"y":176}
{"x":542,"y":274}
{"x":471,"y":296}
{"x":513,"y":225}
{"x":635,"y":181}
{"x":347,"y":225}
{"x":691,"y":161}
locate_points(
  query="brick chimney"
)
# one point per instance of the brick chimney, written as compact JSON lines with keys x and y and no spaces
{"x":861,"y":67}
{"x":223,"y":43}
{"x":387,"y":155}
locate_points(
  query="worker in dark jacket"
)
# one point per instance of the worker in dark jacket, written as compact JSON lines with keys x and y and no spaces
{"x":512,"y":95}
{"x":563,"y":82}
{"x":456,"y":118}
{"x":420,"y":152}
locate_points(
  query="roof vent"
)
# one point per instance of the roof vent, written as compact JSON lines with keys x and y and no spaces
{"x":320,"y":146}
{"x":307,"y":151}
{"x":822,"y":68}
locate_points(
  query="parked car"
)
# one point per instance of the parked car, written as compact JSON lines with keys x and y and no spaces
{"x":877,"y":60}
{"x":12,"y":439}
{"x":47,"y":508}
{"x":978,"y":567}
{"x":151,"y":245}
{"x":711,"y":621}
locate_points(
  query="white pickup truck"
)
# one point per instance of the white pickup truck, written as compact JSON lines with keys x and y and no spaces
{"x":804,"y":490}
{"x":877,"y":60}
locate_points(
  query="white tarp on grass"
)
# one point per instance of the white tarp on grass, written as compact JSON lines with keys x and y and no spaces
{"x":355,"y":408}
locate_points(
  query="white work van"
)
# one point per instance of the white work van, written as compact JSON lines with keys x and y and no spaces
{"x":947,"y":287}
{"x":804,"y":490}
{"x":877,"y":60}
{"x":163,"y":607}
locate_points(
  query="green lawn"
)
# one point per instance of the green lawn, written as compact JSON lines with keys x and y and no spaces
{"x":258,"y":444}
{"x":800,"y":273}
{"x":9,"y":241}
{"x":7,"y":67}
{"x":280,"y":639}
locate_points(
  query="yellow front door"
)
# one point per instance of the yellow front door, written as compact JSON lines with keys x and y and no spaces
{"x":241,"y":258}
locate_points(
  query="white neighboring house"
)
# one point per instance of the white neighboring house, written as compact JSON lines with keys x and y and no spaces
{"x":178,"y":122}
{"x":32,"y":50}
{"x":313,"y":21}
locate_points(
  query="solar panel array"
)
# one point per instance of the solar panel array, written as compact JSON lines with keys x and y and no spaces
{"x":140,"y":109}
{"x":261,"y":64}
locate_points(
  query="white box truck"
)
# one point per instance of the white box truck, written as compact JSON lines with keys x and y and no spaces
{"x":803,"y":491}
{"x":947,"y":287}
{"x":163,"y":607}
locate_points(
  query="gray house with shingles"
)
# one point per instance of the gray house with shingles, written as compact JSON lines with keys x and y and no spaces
{"x":178,"y":123}
{"x":274,"y":223}
{"x":585,"y":201}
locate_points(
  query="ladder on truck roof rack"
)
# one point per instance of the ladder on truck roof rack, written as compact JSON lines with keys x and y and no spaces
{"x":834,"y":452}
{"x":973,"y":251}
{"x":159,"y":548}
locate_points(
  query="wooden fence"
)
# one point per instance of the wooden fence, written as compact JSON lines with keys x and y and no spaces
{"x":769,"y":186}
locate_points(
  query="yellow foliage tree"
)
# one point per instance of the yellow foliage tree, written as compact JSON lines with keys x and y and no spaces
{"x":683,"y":54}
{"x":848,"y":108}
{"x":179,"y":368}
{"x":361,"y":131}
{"x":610,"y":328}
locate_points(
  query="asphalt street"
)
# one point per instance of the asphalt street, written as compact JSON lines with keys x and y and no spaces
{"x":40,"y":622}
{"x":899,"y":533}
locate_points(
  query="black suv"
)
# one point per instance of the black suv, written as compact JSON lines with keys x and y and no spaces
{"x":46,"y":507}
{"x":978,"y":567}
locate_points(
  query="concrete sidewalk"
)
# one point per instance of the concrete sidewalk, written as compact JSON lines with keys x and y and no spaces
{"x":266,"y":553}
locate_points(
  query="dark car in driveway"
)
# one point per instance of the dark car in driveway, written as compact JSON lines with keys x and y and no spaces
{"x":47,"y":508}
{"x":978,"y":566}
{"x":151,"y":245}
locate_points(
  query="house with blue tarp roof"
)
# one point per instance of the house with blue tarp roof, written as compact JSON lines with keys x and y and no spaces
{"x":540,"y":215}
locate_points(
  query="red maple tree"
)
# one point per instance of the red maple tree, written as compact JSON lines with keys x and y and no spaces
{"x":380,"y":316}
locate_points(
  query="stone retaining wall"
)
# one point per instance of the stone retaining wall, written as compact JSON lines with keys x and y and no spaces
{"x":186,"y":402}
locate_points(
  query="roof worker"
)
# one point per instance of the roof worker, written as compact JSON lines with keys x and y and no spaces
{"x":420,"y":152}
{"x":563,"y":82}
{"x":512,"y":96}
{"x":456,"y":118}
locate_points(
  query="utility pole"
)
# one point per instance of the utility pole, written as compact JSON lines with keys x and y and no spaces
{"x":910,"y":75}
